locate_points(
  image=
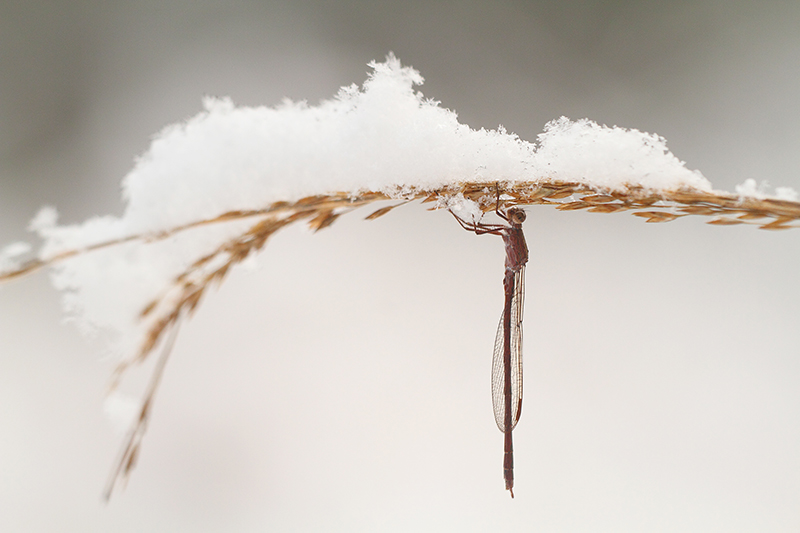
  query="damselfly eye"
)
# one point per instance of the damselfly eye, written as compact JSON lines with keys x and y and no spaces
{"x":516,"y":215}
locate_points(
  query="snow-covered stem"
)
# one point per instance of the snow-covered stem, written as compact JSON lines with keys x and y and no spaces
{"x":655,"y":206}
{"x":322,"y":210}
{"x":211,"y":191}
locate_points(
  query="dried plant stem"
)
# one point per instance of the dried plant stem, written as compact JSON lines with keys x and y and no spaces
{"x":664,"y":206}
{"x":186,"y":290}
{"x":133,"y":440}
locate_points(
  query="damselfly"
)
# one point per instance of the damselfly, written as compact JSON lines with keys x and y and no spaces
{"x":507,"y":359}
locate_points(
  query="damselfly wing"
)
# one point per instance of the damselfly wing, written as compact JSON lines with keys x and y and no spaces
{"x":507,"y":358}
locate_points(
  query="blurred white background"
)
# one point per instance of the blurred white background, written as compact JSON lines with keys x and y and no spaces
{"x":344,"y":384}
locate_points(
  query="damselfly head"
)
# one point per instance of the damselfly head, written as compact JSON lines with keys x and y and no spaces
{"x":516,"y":216}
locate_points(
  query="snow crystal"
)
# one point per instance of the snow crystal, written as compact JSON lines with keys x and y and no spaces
{"x":786,"y":193}
{"x":9,"y":255}
{"x":466,"y":209}
{"x":751,"y":189}
{"x":15,"y":249}
{"x":45,"y":219}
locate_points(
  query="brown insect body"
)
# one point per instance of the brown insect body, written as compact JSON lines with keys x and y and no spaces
{"x":507,"y":358}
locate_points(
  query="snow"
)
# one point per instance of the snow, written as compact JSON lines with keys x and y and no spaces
{"x":751,"y":189}
{"x":45,"y":219}
{"x":464,"y":208}
{"x":384,"y":136}
{"x":9,"y":255}
{"x":121,"y":410}
{"x":786,"y":193}
{"x":381,"y":137}
{"x":610,"y":157}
